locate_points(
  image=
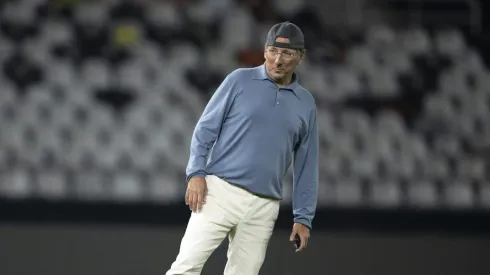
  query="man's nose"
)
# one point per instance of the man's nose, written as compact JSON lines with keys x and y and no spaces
{"x":278,"y":59}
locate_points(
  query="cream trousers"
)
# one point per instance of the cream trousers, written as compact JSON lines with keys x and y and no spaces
{"x":246,"y":219}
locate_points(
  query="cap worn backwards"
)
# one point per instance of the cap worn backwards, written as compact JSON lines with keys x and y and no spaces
{"x":286,"y":30}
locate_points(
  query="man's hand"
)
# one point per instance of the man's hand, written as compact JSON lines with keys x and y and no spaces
{"x":195,"y":196}
{"x":304,"y":234}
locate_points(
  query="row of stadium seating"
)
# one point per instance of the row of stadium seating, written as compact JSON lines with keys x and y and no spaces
{"x":99,"y":99}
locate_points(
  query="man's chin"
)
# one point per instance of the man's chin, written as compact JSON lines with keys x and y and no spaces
{"x":277,"y":76}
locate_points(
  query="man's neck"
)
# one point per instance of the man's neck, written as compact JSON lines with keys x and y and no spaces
{"x":285,"y":81}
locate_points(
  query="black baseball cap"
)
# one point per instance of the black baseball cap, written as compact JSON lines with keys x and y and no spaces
{"x":286,"y":30}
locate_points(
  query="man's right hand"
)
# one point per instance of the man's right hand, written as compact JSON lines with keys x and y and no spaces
{"x":195,"y":196}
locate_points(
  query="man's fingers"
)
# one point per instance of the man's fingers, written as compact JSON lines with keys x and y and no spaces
{"x":191,"y":201}
{"x":187,"y":197}
{"x":293,"y":234}
{"x":195,"y":206}
{"x":304,"y":243}
{"x":199,"y":202}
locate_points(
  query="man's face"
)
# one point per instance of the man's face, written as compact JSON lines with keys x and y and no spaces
{"x":281,"y":62}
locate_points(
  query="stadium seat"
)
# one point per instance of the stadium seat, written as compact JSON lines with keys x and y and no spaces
{"x":459,"y":194}
{"x":422,"y":194}
{"x":16,"y":184}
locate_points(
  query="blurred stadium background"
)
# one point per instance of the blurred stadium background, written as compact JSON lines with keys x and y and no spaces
{"x":98,"y":100}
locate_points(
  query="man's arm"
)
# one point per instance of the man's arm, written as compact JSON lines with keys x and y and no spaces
{"x":305,"y":175}
{"x":209,"y":126}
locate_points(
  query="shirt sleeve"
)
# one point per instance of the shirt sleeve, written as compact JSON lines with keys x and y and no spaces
{"x":209,"y":125}
{"x":305,"y":175}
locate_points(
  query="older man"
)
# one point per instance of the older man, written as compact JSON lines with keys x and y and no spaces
{"x":257,"y":122}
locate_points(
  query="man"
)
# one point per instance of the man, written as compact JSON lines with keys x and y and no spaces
{"x":257,"y":121}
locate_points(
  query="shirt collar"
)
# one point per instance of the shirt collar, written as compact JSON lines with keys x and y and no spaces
{"x":261,"y":74}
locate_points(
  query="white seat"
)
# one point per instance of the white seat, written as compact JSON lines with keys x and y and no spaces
{"x":403,"y":167}
{"x":131,"y":75}
{"x":453,"y":81}
{"x":150,"y":54}
{"x":75,"y":155}
{"x":184,"y":56}
{"x":364,"y":165}
{"x":93,"y":13}
{"x":381,"y":146}
{"x":52,"y":185}
{"x":385,"y":194}
{"x":218,"y":59}
{"x":391,"y":124}
{"x":326,"y":194}
{"x":361,"y":59}
{"x":415,"y":146}
{"x":415,"y":41}
{"x":348,"y":193}
{"x":450,"y":42}
{"x":101,"y":117}
{"x":95,"y":74}
{"x":458,"y":194}
{"x":473,"y":168}
{"x":480,"y":102}
{"x":19,"y":11}
{"x":203,"y":12}
{"x":383,"y":83}
{"x":164,"y":14}
{"x":37,"y":51}
{"x":28,"y":113}
{"x":163,"y":189}
{"x":9,"y":113}
{"x":6,"y":48}
{"x":397,"y":61}
{"x":331,"y":164}
{"x":123,"y":139}
{"x":38,"y":94}
{"x":342,"y":145}
{"x":137,"y":115}
{"x":126,"y":187}
{"x":160,"y":140}
{"x":380,"y":36}
{"x":91,"y":186}
{"x":13,"y":138}
{"x":16,"y":184}
{"x":355,"y":122}
{"x":422,"y":194}
{"x":325,"y":121}
{"x":485,"y":195}
{"x":55,"y":32}
{"x":175,"y":119}
{"x":464,"y":125}
{"x":448,"y":145}
{"x":107,"y":156}
{"x":144,"y":158}
{"x":439,"y":106}
{"x":346,"y":80}
{"x":237,"y":20}
{"x":288,"y":8}
{"x":315,"y":79}
{"x":60,"y":73}
{"x":471,"y":62}
{"x":436,"y":168}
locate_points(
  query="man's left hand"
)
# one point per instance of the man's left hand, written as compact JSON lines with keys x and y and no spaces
{"x":304,"y":234}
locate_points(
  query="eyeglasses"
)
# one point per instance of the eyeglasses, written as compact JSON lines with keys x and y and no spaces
{"x":286,"y":55}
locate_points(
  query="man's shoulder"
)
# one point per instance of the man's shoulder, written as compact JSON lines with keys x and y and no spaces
{"x":241,"y":73}
{"x":306,"y":95}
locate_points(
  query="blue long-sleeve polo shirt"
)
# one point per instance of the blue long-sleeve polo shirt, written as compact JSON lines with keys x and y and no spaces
{"x":250,"y":132}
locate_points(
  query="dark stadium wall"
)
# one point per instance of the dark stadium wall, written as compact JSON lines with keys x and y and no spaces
{"x":123,"y":250}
